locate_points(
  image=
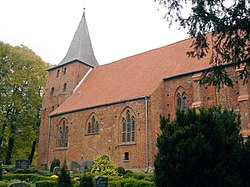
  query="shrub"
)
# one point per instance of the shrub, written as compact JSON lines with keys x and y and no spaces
{"x":4,"y":183}
{"x":46,"y":183}
{"x":64,"y":179}
{"x":86,"y":181}
{"x":103,"y":166}
{"x":130,"y":182}
{"x":128,"y":174}
{"x":26,"y":171}
{"x":55,"y":162}
{"x":121,"y":171}
{"x":143,"y":176}
{"x":201,"y":148}
{"x":24,"y":177}
{"x":17,"y":183}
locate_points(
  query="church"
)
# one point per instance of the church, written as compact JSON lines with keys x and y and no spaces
{"x":114,"y":109}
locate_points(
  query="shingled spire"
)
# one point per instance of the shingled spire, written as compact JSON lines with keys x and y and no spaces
{"x":81,"y":48}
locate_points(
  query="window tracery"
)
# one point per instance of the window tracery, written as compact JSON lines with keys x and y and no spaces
{"x":128,"y":127}
{"x":181,"y":100}
{"x":92,"y":125}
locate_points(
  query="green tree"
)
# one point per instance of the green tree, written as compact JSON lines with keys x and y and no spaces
{"x":103,"y":166}
{"x":22,"y":80}
{"x":64,"y":179}
{"x":202,"y":148}
{"x":229,"y":24}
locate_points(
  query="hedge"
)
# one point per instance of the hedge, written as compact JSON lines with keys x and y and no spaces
{"x":6,"y":183}
{"x":25,"y":177}
{"x":130,"y":182}
{"x":46,"y":183}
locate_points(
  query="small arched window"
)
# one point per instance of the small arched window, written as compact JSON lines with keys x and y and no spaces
{"x":65,"y":87}
{"x":58,"y":73}
{"x":128,"y":128}
{"x":64,"y":70}
{"x":63,"y":134}
{"x":52,"y":91}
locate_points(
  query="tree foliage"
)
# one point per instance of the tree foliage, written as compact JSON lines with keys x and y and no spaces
{"x":228,"y":25}
{"x":202,"y":148}
{"x":22,"y":80}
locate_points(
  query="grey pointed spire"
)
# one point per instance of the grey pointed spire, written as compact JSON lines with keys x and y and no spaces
{"x":81,"y":48}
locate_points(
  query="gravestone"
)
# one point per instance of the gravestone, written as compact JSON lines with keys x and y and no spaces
{"x":101,"y":181}
{"x":57,"y":171}
{"x":22,"y":164}
{"x":87,"y":164}
{"x":18,"y":184}
{"x":74,"y":166}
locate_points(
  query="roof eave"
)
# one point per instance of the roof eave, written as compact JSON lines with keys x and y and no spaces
{"x":98,"y":106}
{"x":75,"y":60}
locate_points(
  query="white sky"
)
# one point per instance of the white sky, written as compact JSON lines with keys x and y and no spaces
{"x":118,"y":28}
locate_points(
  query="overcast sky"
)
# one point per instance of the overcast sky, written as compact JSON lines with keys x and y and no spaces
{"x":118,"y":28}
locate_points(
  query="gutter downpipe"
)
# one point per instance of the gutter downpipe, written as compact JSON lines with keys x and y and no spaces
{"x":147,"y":155}
{"x":47,"y":146}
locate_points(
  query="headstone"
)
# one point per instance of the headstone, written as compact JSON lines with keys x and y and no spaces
{"x":87,"y":163}
{"x":57,"y":171}
{"x":74,"y":166}
{"x":101,"y":181}
{"x":18,"y":184}
{"x":22,"y":164}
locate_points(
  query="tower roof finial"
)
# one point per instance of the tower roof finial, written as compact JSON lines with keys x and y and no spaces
{"x":83,"y":15}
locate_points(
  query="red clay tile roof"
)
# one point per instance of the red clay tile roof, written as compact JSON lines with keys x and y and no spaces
{"x":132,"y":77}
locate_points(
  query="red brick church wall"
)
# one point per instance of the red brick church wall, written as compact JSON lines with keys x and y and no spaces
{"x":83,"y":146}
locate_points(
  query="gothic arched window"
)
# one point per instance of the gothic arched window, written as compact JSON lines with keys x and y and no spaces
{"x":92,"y":125}
{"x":63,"y":134}
{"x":181,"y":101}
{"x":128,"y":128}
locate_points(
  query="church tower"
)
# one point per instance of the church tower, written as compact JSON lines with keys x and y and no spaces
{"x":63,"y":79}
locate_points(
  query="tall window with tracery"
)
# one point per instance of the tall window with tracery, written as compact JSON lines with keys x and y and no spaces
{"x":128,"y":128}
{"x":92,"y":125}
{"x":181,"y":101}
{"x":63,"y":134}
